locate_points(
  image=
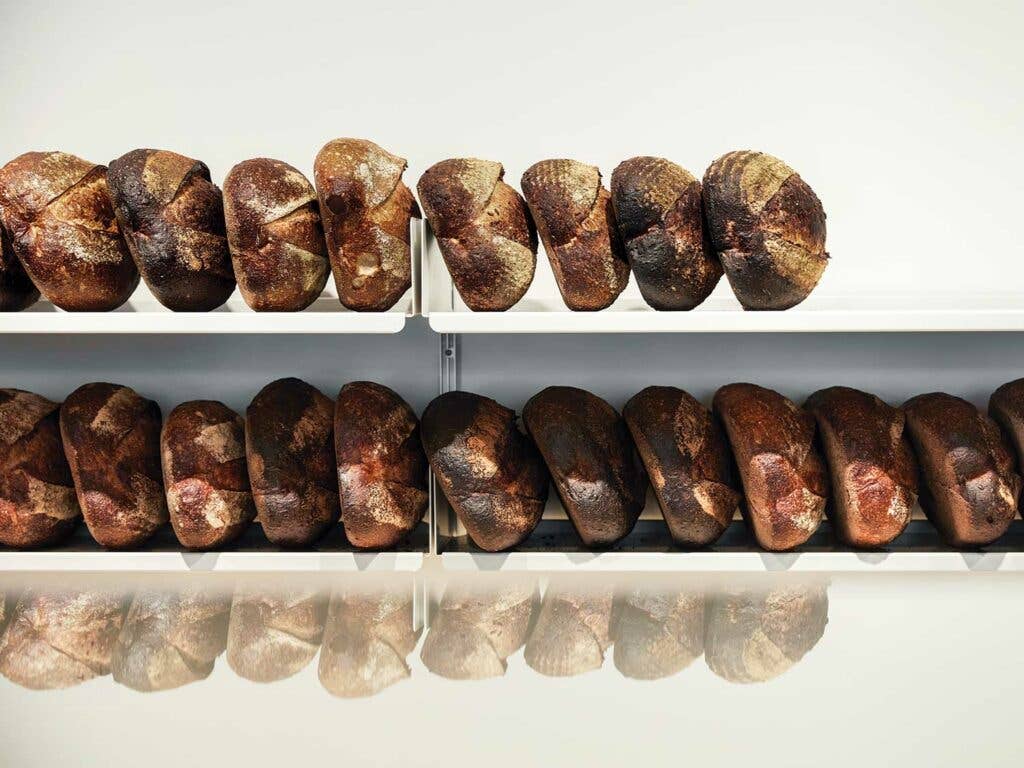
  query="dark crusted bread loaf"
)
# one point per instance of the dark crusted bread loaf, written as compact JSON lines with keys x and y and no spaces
{"x":767,"y":227}
{"x":170,"y":638}
{"x":202,"y":451}
{"x":274,"y":632}
{"x":112,"y":443}
{"x":969,"y":488}
{"x":275,"y":235}
{"x":489,"y":471}
{"x":661,"y":220}
{"x":16,"y":289}
{"x":38,"y":504}
{"x":366,"y":209}
{"x":576,"y":223}
{"x":172,"y":217}
{"x":483,"y":229}
{"x":872,"y":466}
{"x":382,"y":472}
{"x":289,"y":443}
{"x":687,"y":458}
{"x":658,"y":632}
{"x":573,"y":629}
{"x":57,"y":211}
{"x":594,"y":466}
{"x":752,"y":636}
{"x":1006,"y":406}
{"x":783,"y":476}
{"x":60,"y":637}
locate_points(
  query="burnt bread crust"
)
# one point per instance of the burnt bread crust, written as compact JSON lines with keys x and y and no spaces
{"x":576,"y":222}
{"x":382,"y":471}
{"x":111,"y":439}
{"x":871,"y":465}
{"x":785,"y":481}
{"x":366,"y":211}
{"x":660,"y":217}
{"x":1006,"y":407}
{"x":56,"y":209}
{"x":202,"y":451}
{"x":274,"y":633}
{"x":289,"y":445}
{"x":686,"y":456}
{"x":484,"y":230}
{"x":595,"y":468}
{"x":38,"y":505}
{"x":275,"y":236}
{"x":969,"y":486}
{"x":489,"y":471}
{"x":767,"y":227}
{"x":17,"y":291}
{"x":172,"y":217}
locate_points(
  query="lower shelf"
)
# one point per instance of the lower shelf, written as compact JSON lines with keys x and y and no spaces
{"x":250,"y":553}
{"x":554,"y":546}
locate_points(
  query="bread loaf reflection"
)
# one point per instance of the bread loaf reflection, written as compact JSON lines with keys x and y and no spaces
{"x":573,"y":630}
{"x":658,"y":632}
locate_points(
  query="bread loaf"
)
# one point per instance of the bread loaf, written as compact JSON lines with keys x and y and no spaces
{"x":1006,"y":406}
{"x":382,"y":472}
{"x":873,"y":470}
{"x":969,"y":488}
{"x":369,"y":633}
{"x":767,"y":227}
{"x":783,"y":476}
{"x":170,"y":638}
{"x":489,"y":471}
{"x":478,"y":627}
{"x":60,"y":637}
{"x":661,"y":220}
{"x":38,"y":505}
{"x":658,"y":632}
{"x":483,"y":229}
{"x":573,"y":630}
{"x":366,"y":210}
{"x":275,"y":236}
{"x":594,"y":466}
{"x":202,"y":451}
{"x":274,"y":631}
{"x":289,"y":443}
{"x":56,"y":209}
{"x":687,"y":458}
{"x":755,"y":635}
{"x":16,"y":289}
{"x":576,"y":223}
{"x":112,"y":443}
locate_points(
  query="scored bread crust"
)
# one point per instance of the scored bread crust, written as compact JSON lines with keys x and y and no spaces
{"x":57,"y":211}
{"x":16,"y":288}
{"x":484,"y":230}
{"x":574,"y":217}
{"x":871,"y":464}
{"x":767,"y":227}
{"x":969,"y":486}
{"x":785,"y":481}
{"x":660,"y":217}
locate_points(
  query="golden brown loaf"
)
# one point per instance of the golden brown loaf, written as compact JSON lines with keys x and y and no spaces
{"x":595,"y":468}
{"x":574,"y":217}
{"x":112,"y":443}
{"x":489,"y":471}
{"x":366,"y":209}
{"x":969,"y":488}
{"x":60,"y":637}
{"x":872,"y":466}
{"x":767,"y":227}
{"x":783,"y":476}
{"x":202,"y":451}
{"x":687,"y":458}
{"x":1006,"y":406}
{"x":38,"y":504}
{"x":658,"y":632}
{"x":275,"y":235}
{"x":661,"y":220}
{"x":172,"y":217}
{"x":483,"y":229}
{"x":57,"y":212}
{"x":289,"y":443}
{"x":573,"y":630}
{"x":16,"y":289}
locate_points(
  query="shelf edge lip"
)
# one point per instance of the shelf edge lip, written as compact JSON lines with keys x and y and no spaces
{"x":197,"y":562}
{"x":283,"y":323}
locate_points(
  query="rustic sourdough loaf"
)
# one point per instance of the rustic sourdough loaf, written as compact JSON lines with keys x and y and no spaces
{"x":573,"y":629}
{"x":658,"y":632}
{"x":16,"y":289}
